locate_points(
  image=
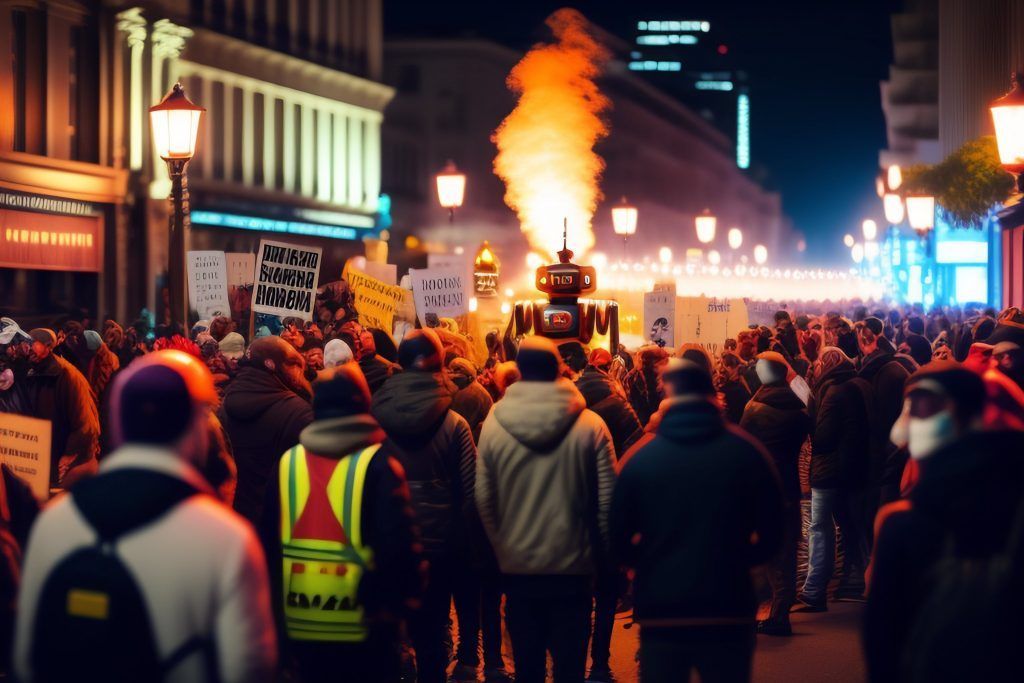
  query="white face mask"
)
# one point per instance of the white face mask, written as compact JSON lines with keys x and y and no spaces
{"x":767,"y":373}
{"x":927,"y":435}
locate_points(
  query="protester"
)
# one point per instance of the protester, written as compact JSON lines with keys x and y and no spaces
{"x":606,"y":397}
{"x":265,"y":409}
{"x":336,"y":352}
{"x":376,"y":368}
{"x":733,"y":387}
{"x":176,"y":589}
{"x":641,"y":384}
{"x":692,"y":554}
{"x":539,"y":439}
{"x":471,"y":400}
{"x":435,"y":447}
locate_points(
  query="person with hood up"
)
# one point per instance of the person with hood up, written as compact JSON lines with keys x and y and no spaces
{"x":369,"y":524}
{"x":694,"y":510}
{"x":435,"y":447}
{"x":265,"y":408}
{"x":839,"y":470}
{"x":58,"y":392}
{"x":961,"y":514}
{"x":375,"y":367}
{"x":471,"y":401}
{"x":777,"y":418}
{"x":642,"y":385}
{"x":100,"y":364}
{"x":606,"y":397}
{"x":544,"y":486}
{"x":733,"y":387}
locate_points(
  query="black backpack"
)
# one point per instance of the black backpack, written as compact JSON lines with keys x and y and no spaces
{"x":91,"y":620}
{"x":968,"y":628}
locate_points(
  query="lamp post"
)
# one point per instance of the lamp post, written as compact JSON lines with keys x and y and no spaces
{"x":848,"y":240}
{"x":451,"y":189}
{"x":870,"y":229}
{"x":175,"y":127}
{"x":624,"y":219}
{"x":705,"y":224}
{"x":760,"y":254}
{"x":892,"y":203}
{"x":1008,"y":119}
{"x":921,"y":216}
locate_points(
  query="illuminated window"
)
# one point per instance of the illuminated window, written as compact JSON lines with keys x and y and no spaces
{"x":743,"y":131}
{"x":724,"y":86}
{"x":651,"y":65}
{"x":972,"y":284}
{"x":667,"y":39}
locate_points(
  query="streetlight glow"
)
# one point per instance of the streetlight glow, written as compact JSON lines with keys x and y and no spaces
{"x":705,"y":224}
{"x":921,"y":213}
{"x":714,"y":258}
{"x":857,"y":252}
{"x":871,"y":250}
{"x":735,"y":238}
{"x":894,"y":176}
{"x":451,"y":187}
{"x":665,"y":255}
{"x":848,"y":240}
{"x":175,"y":125}
{"x":1008,"y":117}
{"x":760,"y":254}
{"x":624,"y":218}
{"x":893,"y":205}
{"x":870,"y":229}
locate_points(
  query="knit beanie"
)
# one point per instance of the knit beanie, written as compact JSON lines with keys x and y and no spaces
{"x":538,"y":360}
{"x":686,"y":377}
{"x":232,"y":345}
{"x":421,"y":350}
{"x":336,"y":352}
{"x":93,"y":341}
{"x":341,"y":392}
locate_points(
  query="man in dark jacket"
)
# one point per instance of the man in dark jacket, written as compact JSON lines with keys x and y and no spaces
{"x":693,"y":511}
{"x":375,"y":367}
{"x":606,"y":398}
{"x":642,"y":385}
{"x":776,"y":417}
{"x":265,"y":408}
{"x":435,"y":447}
{"x":472,"y":401}
{"x":733,"y":386}
{"x":839,"y":469}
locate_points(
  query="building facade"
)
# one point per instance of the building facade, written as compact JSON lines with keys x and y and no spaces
{"x":289,"y":144}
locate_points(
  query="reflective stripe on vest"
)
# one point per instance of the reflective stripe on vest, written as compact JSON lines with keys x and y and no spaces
{"x":322,"y":574}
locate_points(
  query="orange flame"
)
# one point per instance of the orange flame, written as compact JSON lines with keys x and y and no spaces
{"x":546,"y":145}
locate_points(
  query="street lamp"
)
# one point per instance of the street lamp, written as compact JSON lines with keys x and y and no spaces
{"x":921,"y":213}
{"x":894,"y":177}
{"x":175,"y":126}
{"x":893,"y":205}
{"x":705,"y":227}
{"x":714,"y":258}
{"x":870,"y":229}
{"x":857,"y":253}
{"x":624,"y":218}
{"x":735,"y":238}
{"x":760,"y":254}
{"x":451,"y":189}
{"x":665,"y":255}
{"x":848,"y":240}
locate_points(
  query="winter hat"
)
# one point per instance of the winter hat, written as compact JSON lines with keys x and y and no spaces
{"x":336,"y":352}
{"x":44,"y":336}
{"x":920,"y":349}
{"x":263,"y":331}
{"x":421,"y":350}
{"x":538,"y":360}
{"x":93,"y":341}
{"x":952,"y":380}
{"x":463,"y":367}
{"x":505,"y":375}
{"x":915,"y":325}
{"x":341,"y":392}
{"x":232,"y":346}
{"x":9,"y":330}
{"x":600,"y":358}
{"x":771,"y":367}
{"x":686,"y":377}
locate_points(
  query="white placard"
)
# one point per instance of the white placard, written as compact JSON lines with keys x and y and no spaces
{"x":208,"y":284}
{"x":286,"y":279}
{"x":25,"y":448}
{"x":439,"y":293}
{"x":660,"y":318}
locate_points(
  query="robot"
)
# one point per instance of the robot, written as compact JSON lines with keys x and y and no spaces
{"x":564,"y":317}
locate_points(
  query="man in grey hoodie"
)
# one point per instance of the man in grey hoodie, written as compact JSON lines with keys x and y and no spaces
{"x":544,"y":482}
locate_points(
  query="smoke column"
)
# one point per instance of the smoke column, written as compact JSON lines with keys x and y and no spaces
{"x":546,"y":145}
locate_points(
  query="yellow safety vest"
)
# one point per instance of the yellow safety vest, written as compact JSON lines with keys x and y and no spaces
{"x":321,"y":577}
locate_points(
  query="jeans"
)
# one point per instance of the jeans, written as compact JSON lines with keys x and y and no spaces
{"x":830,"y":507}
{"x":377,"y":660}
{"x":477,"y":596}
{"x":720,"y":654}
{"x":549,"y":614}
{"x":606,"y":599}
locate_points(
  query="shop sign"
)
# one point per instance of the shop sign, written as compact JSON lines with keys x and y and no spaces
{"x":50,"y":242}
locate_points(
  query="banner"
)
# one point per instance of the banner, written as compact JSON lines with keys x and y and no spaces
{"x":207,"y":284}
{"x":439,"y":293}
{"x":660,"y":317}
{"x":241,"y":268}
{"x":25,"y":448}
{"x":709,"y":321}
{"x":385,"y":272}
{"x":763,"y":312}
{"x":286,"y":279}
{"x":376,"y":302}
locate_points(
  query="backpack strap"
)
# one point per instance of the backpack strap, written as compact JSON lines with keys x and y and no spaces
{"x":121,"y":501}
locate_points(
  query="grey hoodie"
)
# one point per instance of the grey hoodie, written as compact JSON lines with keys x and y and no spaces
{"x":544,"y":480}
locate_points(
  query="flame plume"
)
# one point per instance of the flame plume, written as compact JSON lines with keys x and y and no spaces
{"x":546,"y":145}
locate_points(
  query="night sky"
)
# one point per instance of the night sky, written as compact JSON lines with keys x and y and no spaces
{"x":814,"y":69}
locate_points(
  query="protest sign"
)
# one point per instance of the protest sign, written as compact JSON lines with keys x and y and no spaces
{"x":286,"y":279}
{"x":660,"y":317}
{"x":709,"y":321}
{"x":241,"y":268}
{"x":376,"y":302}
{"x":439,"y":293}
{"x":25,"y":448}
{"x":207,"y":284}
{"x":763,"y":312}
{"x":385,"y":272}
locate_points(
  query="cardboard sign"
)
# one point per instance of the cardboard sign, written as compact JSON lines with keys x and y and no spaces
{"x":385,"y":272}
{"x":439,"y":293}
{"x":376,"y":302}
{"x":660,"y":317}
{"x":286,"y":279}
{"x":25,"y":448}
{"x":709,"y":321}
{"x":241,"y":269}
{"x":207,"y":284}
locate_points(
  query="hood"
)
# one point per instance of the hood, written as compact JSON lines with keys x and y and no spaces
{"x":870,"y":365}
{"x":413,"y":403}
{"x":688,"y":421}
{"x":253,"y":392}
{"x":539,"y":414}
{"x":337,"y":437}
{"x":595,"y":385}
{"x":836,"y":375}
{"x":778,"y":396}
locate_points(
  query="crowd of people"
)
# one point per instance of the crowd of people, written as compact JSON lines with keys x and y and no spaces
{"x":308,"y":507}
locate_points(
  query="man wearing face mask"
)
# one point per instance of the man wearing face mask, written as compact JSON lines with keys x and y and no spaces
{"x":139,"y":573}
{"x":265,"y":408}
{"x":778,"y":418}
{"x":963,"y":505}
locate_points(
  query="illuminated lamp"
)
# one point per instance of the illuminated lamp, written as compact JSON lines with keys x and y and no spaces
{"x":705,"y":224}
{"x":1008,"y":118}
{"x":486,"y":269}
{"x":848,"y":240}
{"x":869,"y":229}
{"x":624,"y":218}
{"x":857,"y":253}
{"x":921,"y":213}
{"x":451,"y":188}
{"x":714,"y":258}
{"x":760,"y":254}
{"x":893,"y":205}
{"x":894,"y":177}
{"x":735,"y":238}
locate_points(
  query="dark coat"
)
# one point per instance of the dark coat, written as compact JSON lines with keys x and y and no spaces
{"x":886,"y":375}
{"x":704,"y":500}
{"x":778,"y":419}
{"x":840,"y":444}
{"x":435,"y":447}
{"x":472,"y":401}
{"x":60,"y":393}
{"x":606,"y":398}
{"x":968,"y":496}
{"x":736,"y":394}
{"x":377,"y":370}
{"x":262,"y":419}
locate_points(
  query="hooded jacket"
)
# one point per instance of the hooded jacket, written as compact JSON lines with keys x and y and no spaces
{"x":60,"y":393}
{"x":262,"y":419}
{"x":887,"y":375}
{"x":544,"y":481}
{"x":434,"y":446}
{"x":472,"y":401}
{"x":776,"y":418}
{"x":641,"y":384}
{"x":840,"y":444}
{"x":606,"y":398}
{"x":697,"y":494}
{"x":377,"y":370}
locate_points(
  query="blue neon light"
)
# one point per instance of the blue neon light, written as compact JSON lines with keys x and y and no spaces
{"x":230,"y":220}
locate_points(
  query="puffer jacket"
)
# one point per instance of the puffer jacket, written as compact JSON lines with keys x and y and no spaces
{"x":435,"y":447}
{"x":887,"y":375}
{"x":841,"y":442}
{"x":545,"y":480}
{"x":776,"y":418}
{"x":606,"y":398}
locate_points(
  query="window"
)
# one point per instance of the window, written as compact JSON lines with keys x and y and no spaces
{"x":28,"y":53}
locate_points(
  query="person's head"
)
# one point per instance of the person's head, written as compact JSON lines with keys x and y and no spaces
{"x":232,"y":346}
{"x":278,"y":357}
{"x":914,"y":325}
{"x":421,"y":351}
{"x":43,"y":341}
{"x":830,"y":358}
{"x":506,"y":374}
{"x":979,"y":358}
{"x":941,"y":403}
{"x":869,"y":332}
{"x":340,"y":392}
{"x":782,"y":320}
{"x":313,"y":354}
{"x":684,"y":378}
{"x":573,"y":355}
{"x":650,"y":359}
{"x":600,"y":358}
{"x":771,"y":368}
{"x":221,"y":326}
{"x":113,"y":334}
{"x":696,"y":353}
{"x":918,"y":348}
{"x":1008,"y":358}
{"x":732,"y":366}
{"x":164,"y":399}
{"x":538,"y":360}
{"x":462,"y":366}
{"x":336,"y":352}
